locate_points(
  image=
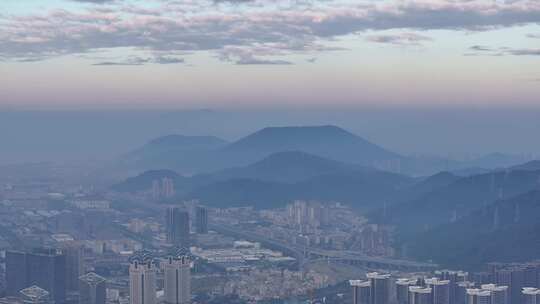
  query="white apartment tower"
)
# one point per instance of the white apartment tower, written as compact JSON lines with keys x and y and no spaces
{"x":177,"y":276}
{"x":142,"y":283}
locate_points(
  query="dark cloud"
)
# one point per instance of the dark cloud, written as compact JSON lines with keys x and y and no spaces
{"x":255,"y":61}
{"x":502,"y":51}
{"x":403,"y":39}
{"x":524,"y":52}
{"x":481,"y":48}
{"x":136,"y":61}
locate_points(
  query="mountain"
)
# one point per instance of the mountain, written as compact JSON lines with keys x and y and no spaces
{"x":469,"y":171}
{"x":287,"y":167}
{"x":188,"y":153}
{"x":280,"y":178}
{"x":427,"y":185}
{"x":456,"y":200}
{"x":532,"y":165}
{"x":325,"y":141}
{"x":243,"y":192}
{"x":200,"y":154}
{"x":283,"y":167}
{"x":362,"y":189}
{"x":505,"y":231}
{"x":496,"y":161}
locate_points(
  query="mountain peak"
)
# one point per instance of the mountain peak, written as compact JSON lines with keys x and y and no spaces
{"x":326,"y":141}
{"x":323,"y":130}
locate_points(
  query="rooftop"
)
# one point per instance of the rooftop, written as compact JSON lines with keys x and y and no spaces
{"x":92,"y":278}
{"x":34,"y":293}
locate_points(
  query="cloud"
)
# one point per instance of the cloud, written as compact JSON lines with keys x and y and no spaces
{"x":277,"y":27}
{"x":403,"y":39}
{"x":95,"y":1}
{"x":534,"y":36}
{"x":253,"y":61}
{"x":252,"y":55}
{"x":502,"y":51}
{"x":136,"y":61}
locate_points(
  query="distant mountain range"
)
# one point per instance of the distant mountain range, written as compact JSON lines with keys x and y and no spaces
{"x":199,"y":154}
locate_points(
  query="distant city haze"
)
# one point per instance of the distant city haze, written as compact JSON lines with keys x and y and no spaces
{"x":30,"y":136}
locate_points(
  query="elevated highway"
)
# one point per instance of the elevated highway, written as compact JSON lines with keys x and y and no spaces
{"x":305,"y":254}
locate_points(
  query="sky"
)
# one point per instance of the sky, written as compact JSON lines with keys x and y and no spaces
{"x":269,"y":54}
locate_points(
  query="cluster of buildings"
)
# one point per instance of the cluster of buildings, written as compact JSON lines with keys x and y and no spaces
{"x":176,"y":271}
{"x":51,"y":276}
{"x":163,"y":188}
{"x":55,"y":276}
{"x":178,"y":224}
{"x":501,"y":284}
{"x":328,"y":225}
{"x":307,"y":216}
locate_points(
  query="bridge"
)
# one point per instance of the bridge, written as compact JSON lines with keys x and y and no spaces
{"x":305,"y":254}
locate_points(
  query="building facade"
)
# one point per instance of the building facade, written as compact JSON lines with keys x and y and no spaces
{"x":177,"y":280}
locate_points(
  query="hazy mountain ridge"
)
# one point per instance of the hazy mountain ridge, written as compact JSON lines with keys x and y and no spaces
{"x":292,"y":175}
{"x":289,"y":167}
{"x":491,"y":233}
{"x":325,"y":141}
{"x":457,"y":200}
{"x":363,"y":190}
{"x":199,"y":154}
{"x":189,"y":153}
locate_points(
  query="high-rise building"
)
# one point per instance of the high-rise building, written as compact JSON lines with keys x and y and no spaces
{"x":163,"y":188}
{"x":16,"y":273}
{"x":177,"y":222}
{"x":532,"y":274}
{"x":420,"y":295}
{"x":201,"y":219}
{"x":517,"y":283}
{"x":74,"y":264}
{"x":92,"y":289}
{"x":531,"y":295}
{"x":499,"y":294}
{"x":361,"y":291}
{"x":177,"y":280}
{"x":440,"y":290}
{"x":142,"y":282}
{"x":45,"y":268}
{"x":461,"y":292}
{"x":402,"y":289}
{"x":167,"y":187}
{"x":454,"y":277}
{"x":380,"y":287}
{"x":478,"y":296}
